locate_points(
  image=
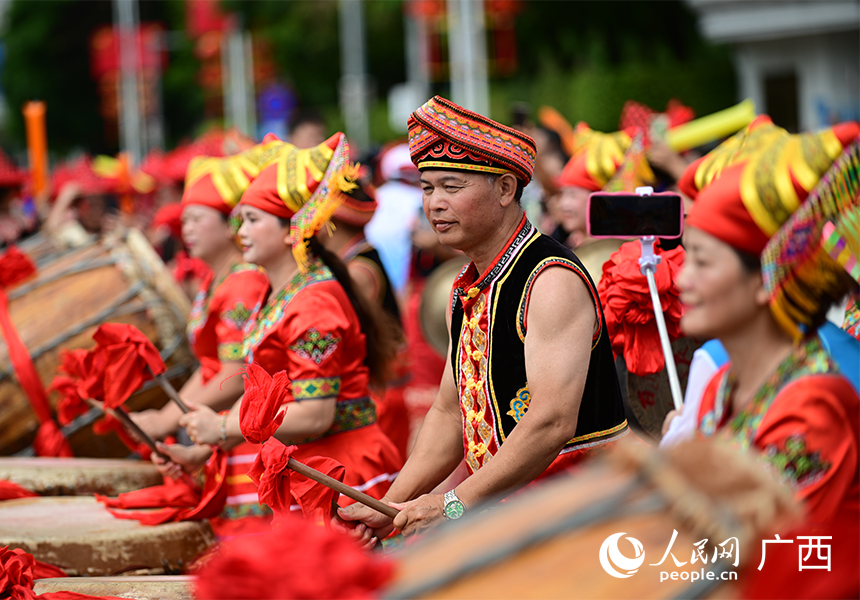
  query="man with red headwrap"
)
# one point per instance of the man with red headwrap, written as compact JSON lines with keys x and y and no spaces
{"x":531,"y":383}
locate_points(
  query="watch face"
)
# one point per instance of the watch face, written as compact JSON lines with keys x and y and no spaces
{"x":454,"y":509}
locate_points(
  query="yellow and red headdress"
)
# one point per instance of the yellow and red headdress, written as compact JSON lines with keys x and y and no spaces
{"x":790,"y":199}
{"x":445,"y":136}
{"x":220,"y":182}
{"x":598,"y":157}
{"x":300,"y":185}
{"x":751,"y":184}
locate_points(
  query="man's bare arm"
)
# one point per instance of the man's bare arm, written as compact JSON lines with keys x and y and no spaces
{"x":561,"y":321}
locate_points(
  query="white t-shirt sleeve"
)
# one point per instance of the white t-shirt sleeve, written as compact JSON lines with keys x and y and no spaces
{"x":683,"y":426}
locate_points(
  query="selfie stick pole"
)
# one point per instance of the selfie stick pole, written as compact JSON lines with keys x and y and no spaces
{"x":648,"y":265}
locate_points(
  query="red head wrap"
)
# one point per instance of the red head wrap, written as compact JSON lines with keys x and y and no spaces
{"x":445,"y":136}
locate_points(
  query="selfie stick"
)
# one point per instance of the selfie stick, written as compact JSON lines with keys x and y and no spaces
{"x":648,"y":265}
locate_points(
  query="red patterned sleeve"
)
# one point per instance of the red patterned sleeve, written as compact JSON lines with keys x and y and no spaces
{"x":314,"y":340}
{"x":236,"y":298}
{"x":810,"y":434}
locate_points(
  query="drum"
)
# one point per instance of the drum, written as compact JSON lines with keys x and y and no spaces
{"x":81,"y":537}
{"x":79,"y":476}
{"x":155,"y":587}
{"x":599,"y":532}
{"x":648,"y":399}
{"x":118,"y":281}
{"x":43,"y":248}
{"x":434,"y":302}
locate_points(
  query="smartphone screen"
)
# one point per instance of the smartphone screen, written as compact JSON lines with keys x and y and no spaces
{"x":625,"y":215}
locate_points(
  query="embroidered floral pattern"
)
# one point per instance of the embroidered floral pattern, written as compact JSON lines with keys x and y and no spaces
{"x":349,"y":415}
{"x":801,"y":467}
{"x":478,"y":432}
{"x":270,"y":314}
{"x":316,"y":388}
{"x":520,"y":404}
{"x":237,"y":316}
{"x":231,"y":351}
{"x":314,"y":346}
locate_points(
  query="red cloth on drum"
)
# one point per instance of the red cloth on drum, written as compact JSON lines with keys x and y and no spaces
{"x":806,"y":422}
{"x":15,"y":267}
{"x":9,"y":490}
{"x":311,"y":330}
{"x":296,"y":560}
{"x":18,"y":570}
{"x":182,"y":500}
{"x":127,"y":353}
{"x":219,"y":313}
{"x":49,"y":439}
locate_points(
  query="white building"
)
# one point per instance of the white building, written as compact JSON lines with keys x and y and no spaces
{"x":798,"y":60}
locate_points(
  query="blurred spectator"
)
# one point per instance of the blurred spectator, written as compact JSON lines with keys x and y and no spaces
{"x":17,"y":216}
{"x":307,"y":129}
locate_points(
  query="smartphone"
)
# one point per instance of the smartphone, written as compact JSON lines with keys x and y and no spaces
{"x":626,"y":215}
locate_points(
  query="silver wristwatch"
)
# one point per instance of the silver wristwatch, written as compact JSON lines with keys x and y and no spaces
{"x":454,"y":509}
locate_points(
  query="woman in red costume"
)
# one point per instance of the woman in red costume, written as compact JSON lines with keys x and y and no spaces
{"x":780,"y":394}
{"x":218,"y":315}
{"x":311,"y":323}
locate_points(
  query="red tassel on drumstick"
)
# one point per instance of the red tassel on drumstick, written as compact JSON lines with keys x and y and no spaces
{"x":259,"y":417}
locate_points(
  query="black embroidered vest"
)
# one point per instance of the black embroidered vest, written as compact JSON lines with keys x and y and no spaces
{"x":499,"y":301}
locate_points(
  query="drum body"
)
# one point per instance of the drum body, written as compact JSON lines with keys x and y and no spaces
{"x":119,"y":281}
{"x":81,"y":537}
{"x":155,"y":587}
{"x":78,"y":476}
{"x":547,"y":542}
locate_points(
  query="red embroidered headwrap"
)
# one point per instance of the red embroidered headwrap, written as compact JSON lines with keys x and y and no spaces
{"x":299,"y":185}
{"x":751,"y":184}
{"x":445,"y":136}
{"x":358,"y":206}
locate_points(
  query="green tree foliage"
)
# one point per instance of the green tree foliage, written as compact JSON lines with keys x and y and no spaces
{"x":587,"y":58}
{"x":48,"y":58}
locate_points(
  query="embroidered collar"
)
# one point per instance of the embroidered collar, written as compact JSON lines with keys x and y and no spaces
{"x":465,"y":287}
{"x":200,"y":307}
{"x":808,"y":358}
{"x":270,"y":311}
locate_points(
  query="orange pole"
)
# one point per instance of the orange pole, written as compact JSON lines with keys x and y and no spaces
{"x":37,"y":144}
{"x":124,"y":177}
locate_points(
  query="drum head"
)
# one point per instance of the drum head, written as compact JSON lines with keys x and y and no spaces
{"x":434,"y":303}
{"x":649,"y":399}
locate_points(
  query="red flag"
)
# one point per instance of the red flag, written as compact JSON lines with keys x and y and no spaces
{"x":272,"y":476}
{"x":277,"y":485}
{"x":264,"y":395}
{"x":317,"y":501}
{"x":126,"y":354}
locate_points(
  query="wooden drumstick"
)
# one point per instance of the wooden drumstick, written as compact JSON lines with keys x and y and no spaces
{"x":349,"y":492}
{"x":171,"y":392}
{"x":133,"y":428}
